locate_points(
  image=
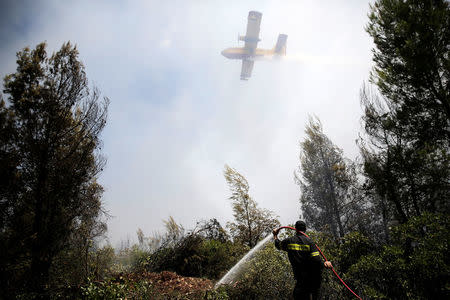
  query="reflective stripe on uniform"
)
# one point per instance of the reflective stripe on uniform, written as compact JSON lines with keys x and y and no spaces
{"x":315,"y":253}
{"x":298,"y":247}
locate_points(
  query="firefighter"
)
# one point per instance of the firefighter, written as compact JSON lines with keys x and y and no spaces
{"x":306,"y":262}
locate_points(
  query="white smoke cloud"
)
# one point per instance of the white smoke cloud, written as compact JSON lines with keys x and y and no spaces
{"x":305,"y":58}
{"x":178,"y":110}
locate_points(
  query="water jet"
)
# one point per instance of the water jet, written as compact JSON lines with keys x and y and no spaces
{"x":234,"y":271}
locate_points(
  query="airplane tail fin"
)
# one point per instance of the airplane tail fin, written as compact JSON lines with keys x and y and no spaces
{"x":280,"y":47}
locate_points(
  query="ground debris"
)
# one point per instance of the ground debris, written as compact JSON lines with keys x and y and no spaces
{"x":168,"y":282}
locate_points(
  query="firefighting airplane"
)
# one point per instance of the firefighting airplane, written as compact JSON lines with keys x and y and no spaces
{"x":249,"y":53}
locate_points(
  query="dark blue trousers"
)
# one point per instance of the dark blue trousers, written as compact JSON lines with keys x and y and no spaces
{"x":307,"y":288}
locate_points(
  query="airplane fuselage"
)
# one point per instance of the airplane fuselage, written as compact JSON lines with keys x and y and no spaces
{"x":244,"y":53}
{"x":250,"y":52}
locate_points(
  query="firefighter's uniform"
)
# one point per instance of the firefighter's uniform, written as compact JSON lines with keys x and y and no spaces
{"x":306,"y":264}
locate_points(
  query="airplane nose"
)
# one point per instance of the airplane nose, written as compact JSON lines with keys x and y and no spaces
{"x":226,"y":53}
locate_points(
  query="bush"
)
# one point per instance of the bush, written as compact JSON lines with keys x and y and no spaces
{"x":353,"y":246}
{"x":117,"y":289}
{"x":267,"y":276}
{"x":71,"y":269}
{"x":416,"y":266}
{"x":193,"y":256}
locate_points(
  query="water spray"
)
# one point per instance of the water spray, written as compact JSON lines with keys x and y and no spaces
{"x":229,"y":276}
{"x":321,"y":253}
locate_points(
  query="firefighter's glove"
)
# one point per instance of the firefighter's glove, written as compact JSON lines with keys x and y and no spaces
{"x":275,"y":232}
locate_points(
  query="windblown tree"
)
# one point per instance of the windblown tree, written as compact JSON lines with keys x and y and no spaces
{"x":49,"y":163}
{"x":251,"y":222}
{"x":329,"y":189}
{"x":174,"y":232}
{"x":406,"y":151}
{"x":212,"y":230}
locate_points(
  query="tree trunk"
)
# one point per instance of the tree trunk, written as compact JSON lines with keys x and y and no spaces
{"x":392,"y":195}
{"x":335,"y":212}
{"x":384,"y":216}
{"x":40,"y":258}
{"x":40,"y":266}
{"x":250,"y":242}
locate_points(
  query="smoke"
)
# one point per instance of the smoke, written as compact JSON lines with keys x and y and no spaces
{"x":322,"y":59}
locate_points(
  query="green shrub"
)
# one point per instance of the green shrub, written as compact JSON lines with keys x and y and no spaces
{"x":117,"y":289}
{"x":71,"y":269}
{"x":267,"y":276}
{"x":193,"y":256}
{"x":416,"y":266}
{"x":353,"y":246}
{"x":104,"y":290}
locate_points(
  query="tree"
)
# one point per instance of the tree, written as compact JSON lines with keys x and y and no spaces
{"x":212,"y":230}
{"x":50,"y":159}
{"x":140,"y":235}
{"x":328,"y":184}
{"x":174,"y":232}
{"x":251,"y":222}
{"x":82,"y":258}
{"x":414,"y":266}
{"x":406,"y":151}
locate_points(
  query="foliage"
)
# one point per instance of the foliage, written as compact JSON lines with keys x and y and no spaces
{"x":412,"y":62}
{"x":142,"y":289}
{"x":267,"y":276}
{"x":353,"y":246}
{"x":70,"y":268}
{"x":195,"y":256}
{"x":330,"y":198}
{"x":49,"y":162}
{"x":212,"y":230}
{"x":216,"y":294}
{"x":128,"y":259}
{"x":416,"y":266}
{"x":117,"y":289}
{"x":174,"y":232}
{"x":145,"y":285}
{"x":251,"y":222}
{"x":50,"y":208}
{"x":203,"y":252}
{"x":406,"y":150}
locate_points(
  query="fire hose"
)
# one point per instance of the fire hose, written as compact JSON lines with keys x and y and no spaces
{"x":321,"y":253}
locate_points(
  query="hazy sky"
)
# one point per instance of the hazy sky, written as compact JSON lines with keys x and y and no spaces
{"x":179,"y":111}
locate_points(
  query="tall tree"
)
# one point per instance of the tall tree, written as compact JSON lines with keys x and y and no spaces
{"x":328,"y":184}
{"x":50,"y":159}
{"x":407,"y":149}
{"x":212,"y":230}
{"x":251,"y":222}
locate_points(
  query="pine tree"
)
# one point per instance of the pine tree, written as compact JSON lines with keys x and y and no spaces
{"x":251,"y":222}
{"x":50,"y":130}
{"x":406,"y":151}
{"x":328,"y":184}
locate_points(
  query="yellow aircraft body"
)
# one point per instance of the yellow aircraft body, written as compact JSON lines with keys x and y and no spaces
{"x":249,"y":53}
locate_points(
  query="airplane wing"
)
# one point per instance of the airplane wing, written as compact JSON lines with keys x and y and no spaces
{"x":252,"y":35}
{"x":246,"y":70}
